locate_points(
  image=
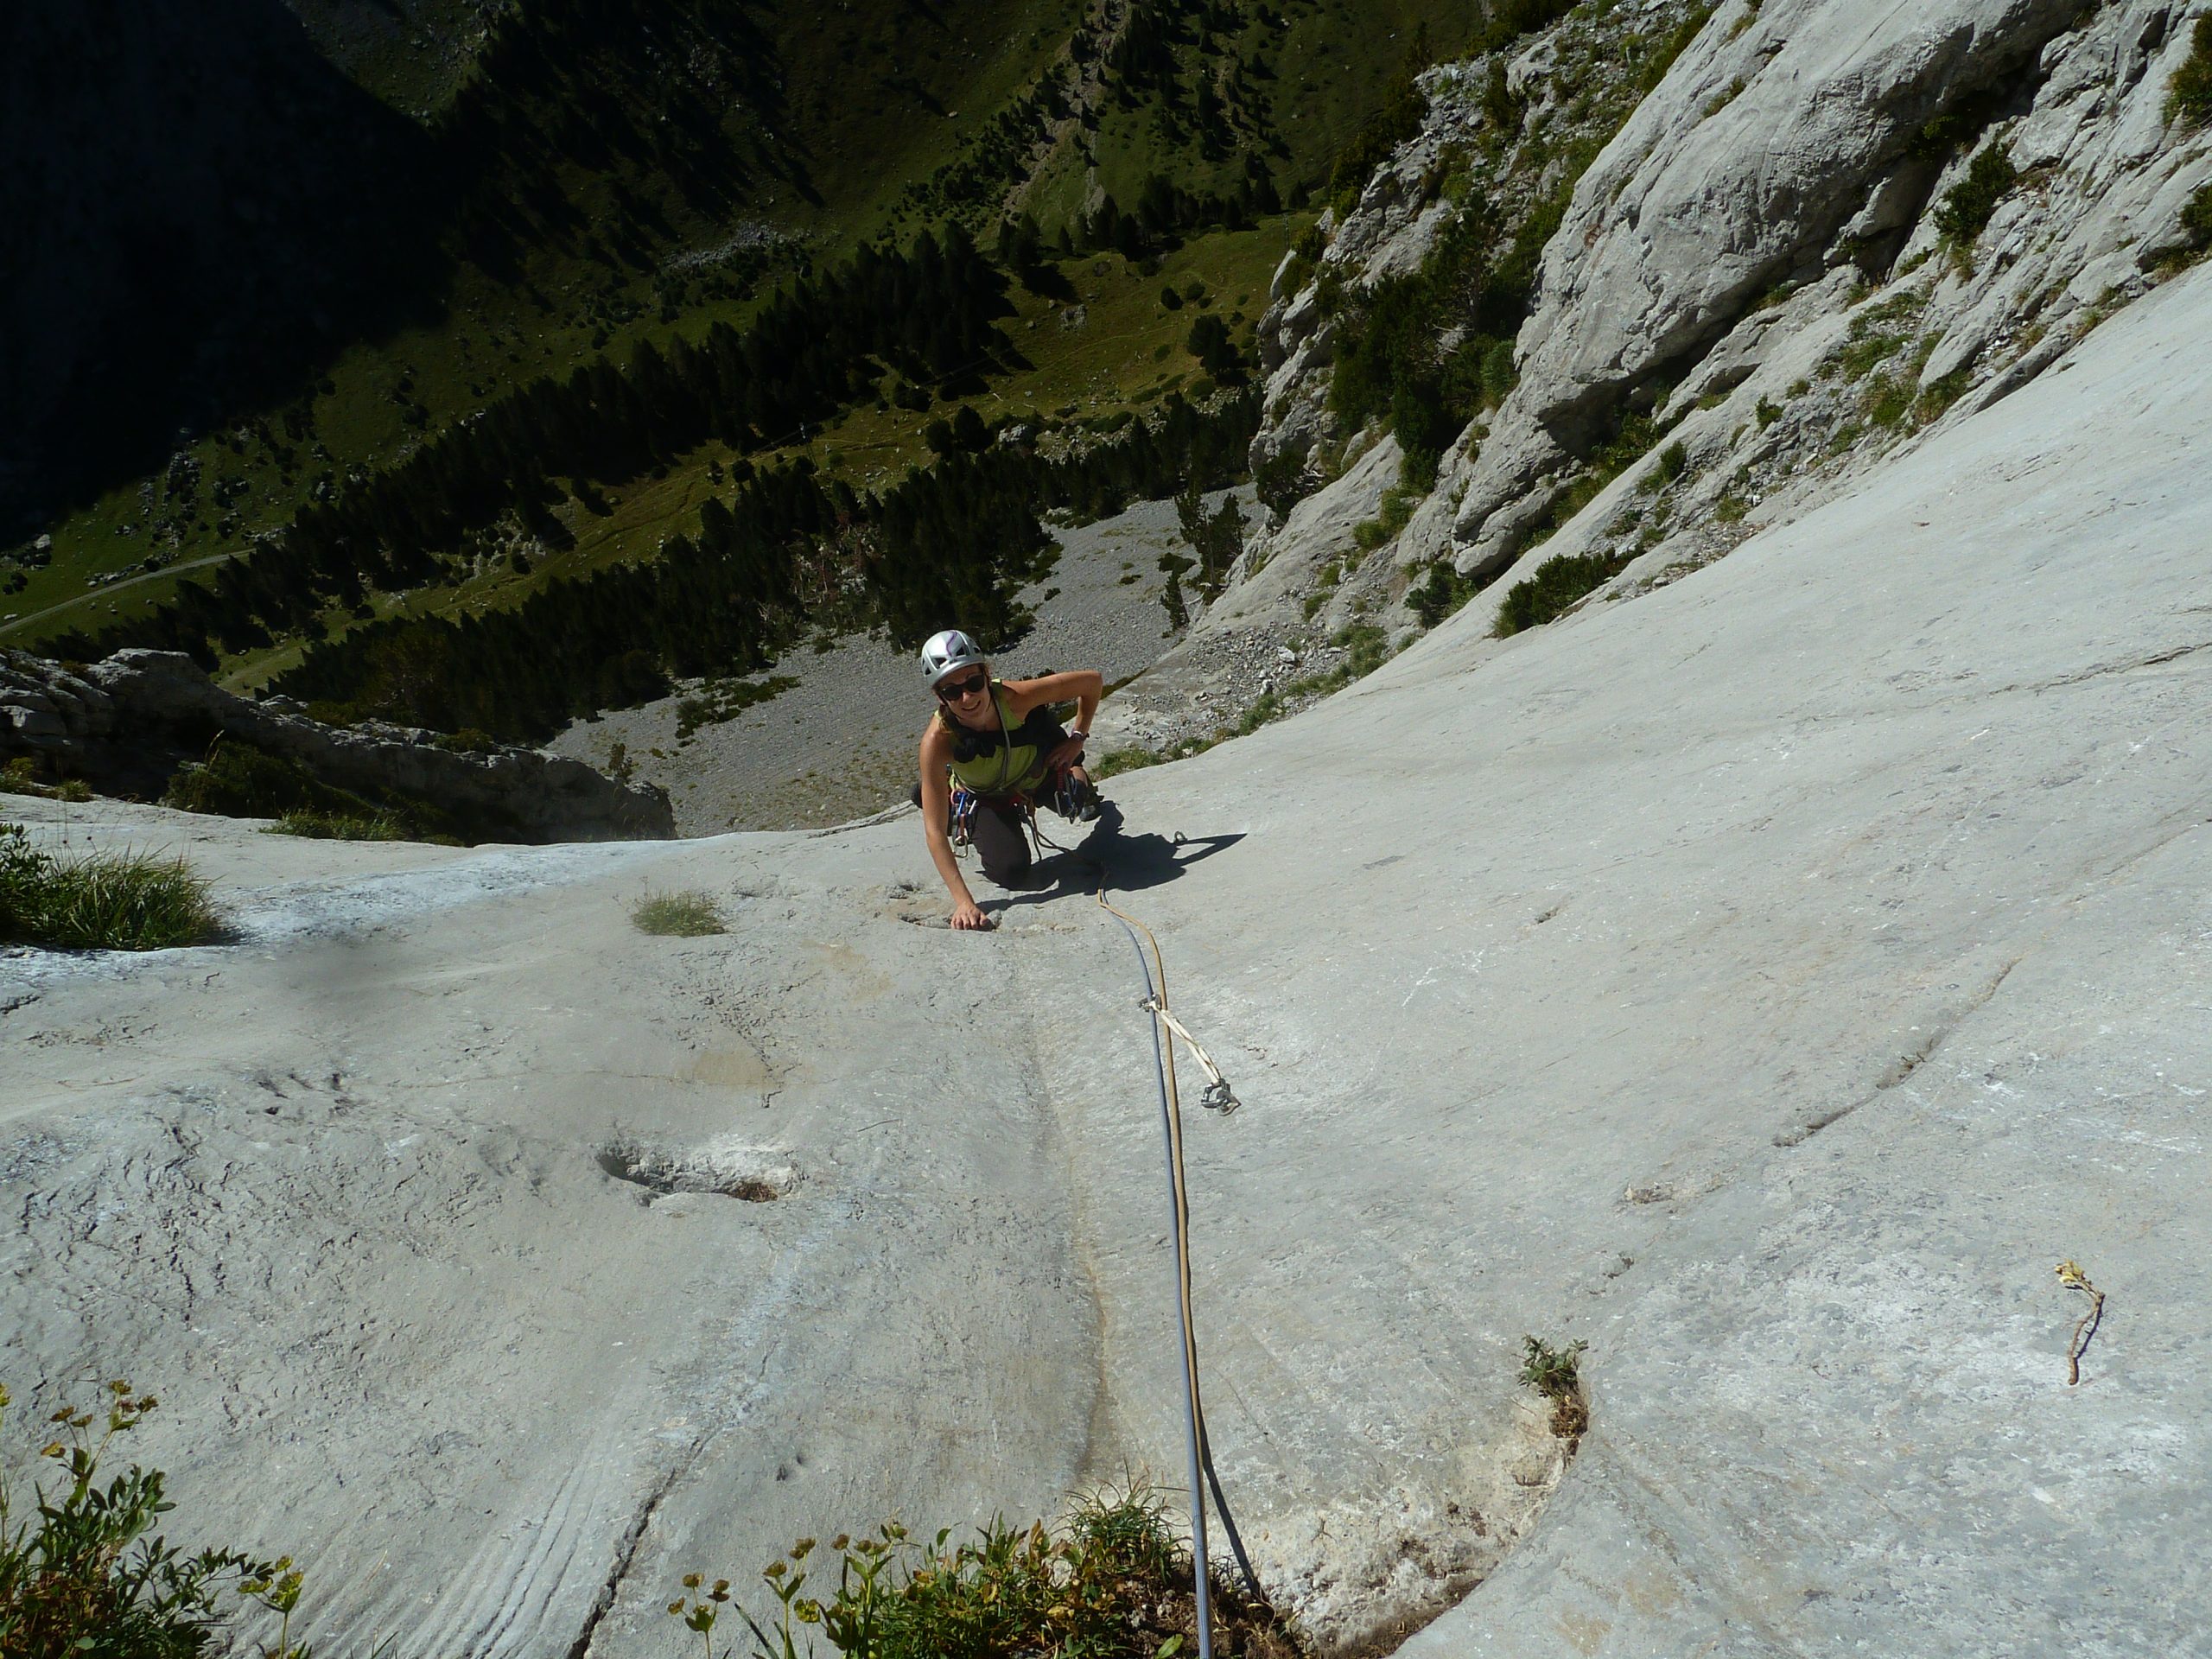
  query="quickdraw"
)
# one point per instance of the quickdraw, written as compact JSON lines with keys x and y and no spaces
{"x":1217,"y":1096}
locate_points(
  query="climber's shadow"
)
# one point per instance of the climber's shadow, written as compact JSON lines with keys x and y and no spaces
{"x":1130,"y":863}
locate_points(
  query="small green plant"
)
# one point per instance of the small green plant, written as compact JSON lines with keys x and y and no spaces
{"x":1872,"y":343}
{"x":1111,"y":1582}
{"x":1769,"y":412}
{"x":1723,"y":99}
{"x":2189,"y":96}
{"x":1673,"y":461}
{"x":687,"y":915}
{"x":94,"y":1577}
{"x":102,"y":901}
{"x":1968,"y":206}
{"x":1396,"y":509}
{"x":1942,"y":394}
{"x":1556,"y":1373}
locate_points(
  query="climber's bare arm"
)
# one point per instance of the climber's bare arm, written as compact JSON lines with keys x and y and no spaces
{"x":936,"y":826}
{"x":1083,"y":687}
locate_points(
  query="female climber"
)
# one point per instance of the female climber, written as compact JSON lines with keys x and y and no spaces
{"x":993,"y":749}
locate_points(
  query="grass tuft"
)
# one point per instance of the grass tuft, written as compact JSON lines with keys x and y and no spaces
{"x":105,"y":901}
{"x":688,"y":915}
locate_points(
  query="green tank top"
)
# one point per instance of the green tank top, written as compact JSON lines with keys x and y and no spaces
{"x":1017,"y":767}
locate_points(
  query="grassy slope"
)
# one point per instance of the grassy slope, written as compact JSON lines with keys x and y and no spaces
{"x":877,"y":96}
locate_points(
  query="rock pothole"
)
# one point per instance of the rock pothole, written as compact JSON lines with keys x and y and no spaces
{"x":726,"y":1168}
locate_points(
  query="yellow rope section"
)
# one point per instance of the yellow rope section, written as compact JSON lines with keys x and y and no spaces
{"x":2073,"y":1278}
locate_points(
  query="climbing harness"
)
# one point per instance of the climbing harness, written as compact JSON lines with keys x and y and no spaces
{"x":2073,"y":1278}
{"x":1200,"y":1453}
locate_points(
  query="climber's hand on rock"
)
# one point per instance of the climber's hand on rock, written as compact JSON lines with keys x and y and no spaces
{"x":967,"y":919}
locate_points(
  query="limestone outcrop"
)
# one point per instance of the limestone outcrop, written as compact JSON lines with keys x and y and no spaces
{"x":1795,"y":138}
{"x":1776,"y":264}
{"x":125,"y":724}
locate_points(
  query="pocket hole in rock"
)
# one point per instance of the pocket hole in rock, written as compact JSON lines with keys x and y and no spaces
{"x":725,"y":1168}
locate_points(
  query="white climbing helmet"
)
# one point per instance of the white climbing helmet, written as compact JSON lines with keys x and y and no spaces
{"x":947,"y":653}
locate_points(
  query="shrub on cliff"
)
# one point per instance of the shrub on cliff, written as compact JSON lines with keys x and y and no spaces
{"x":2189,"y":96}
{"x":1969,"y":204}
{"x":1554,"y":585}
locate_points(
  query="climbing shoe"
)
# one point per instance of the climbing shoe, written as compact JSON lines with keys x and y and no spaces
{"x":1074,"y":798}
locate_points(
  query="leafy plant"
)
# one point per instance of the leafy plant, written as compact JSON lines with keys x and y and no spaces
{"x":1112,"y":1582}
{"x":2196,"y":220}
{"x":103,"y":901}
{"x":92,"y":1577}
{"x":1556,"y":1373}
{"x":1439,"y":593}
{"x":1889,"y":398}
{"x":1397,"y":509}
{"x":688,"y":915}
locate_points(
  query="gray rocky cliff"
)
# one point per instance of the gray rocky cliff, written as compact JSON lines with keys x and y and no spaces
{"x":1792,"y":140}
{"x":125,"y":724}
{"x":1754,"y":267}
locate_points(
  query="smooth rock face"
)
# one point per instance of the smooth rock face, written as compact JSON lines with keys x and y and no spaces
{"x":124,"y":724}
{"x":1768,"y":981}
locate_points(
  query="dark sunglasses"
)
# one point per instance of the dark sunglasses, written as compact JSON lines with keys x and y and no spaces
{"x":952,"y":690}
